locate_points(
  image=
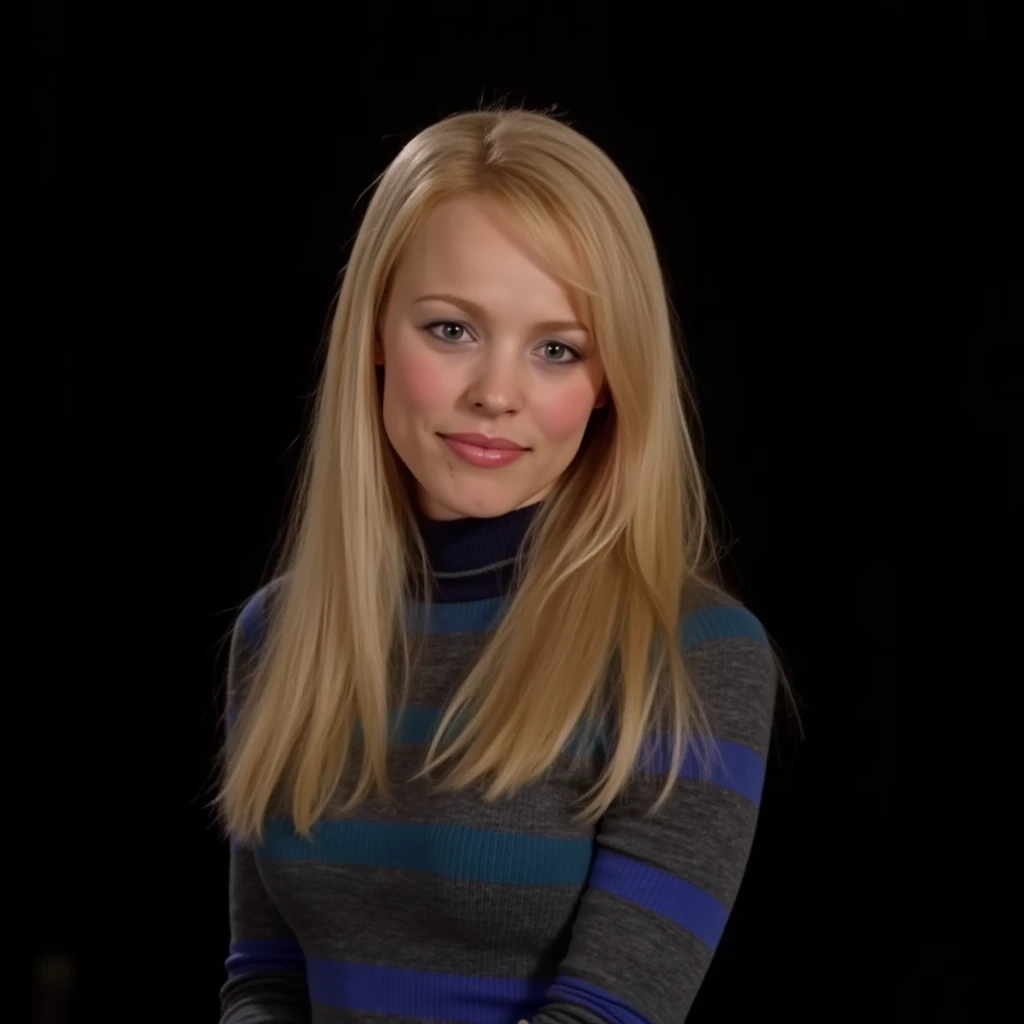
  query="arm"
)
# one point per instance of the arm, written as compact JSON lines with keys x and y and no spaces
{"x":266,"y":968}
{"x":661,"y":889}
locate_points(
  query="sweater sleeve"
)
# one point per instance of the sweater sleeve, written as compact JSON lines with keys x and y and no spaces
{"x":266,"y":969}
{"x":661,"y":889}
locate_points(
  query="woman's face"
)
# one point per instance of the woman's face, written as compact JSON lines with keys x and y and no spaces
{"x":476,"y":338}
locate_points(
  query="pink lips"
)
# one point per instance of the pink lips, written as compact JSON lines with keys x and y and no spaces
{"x":485,"y":441}
{"x":485,"y":457}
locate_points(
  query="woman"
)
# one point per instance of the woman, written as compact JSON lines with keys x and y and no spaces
{"x":541,"y":808}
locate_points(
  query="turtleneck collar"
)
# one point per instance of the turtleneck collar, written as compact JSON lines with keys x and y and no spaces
{"x":474,"y":558}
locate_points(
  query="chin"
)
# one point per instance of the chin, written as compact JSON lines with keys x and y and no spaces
{"x":483,"y":508}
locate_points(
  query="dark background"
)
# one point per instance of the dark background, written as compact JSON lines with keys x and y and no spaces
{"x":200,"y":175}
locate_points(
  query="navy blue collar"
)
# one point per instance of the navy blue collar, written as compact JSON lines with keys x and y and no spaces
{"x":474,"y":558}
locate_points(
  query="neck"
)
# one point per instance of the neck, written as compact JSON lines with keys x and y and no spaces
{"x":473,"y":559}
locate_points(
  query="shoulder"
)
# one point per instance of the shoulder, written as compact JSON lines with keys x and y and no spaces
{"x":251,"y":622}
{"x":710,"y":614}
{"x":726,"y":649}
{"x":247,"y":636}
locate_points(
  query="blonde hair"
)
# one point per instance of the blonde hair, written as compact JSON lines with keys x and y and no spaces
{"x":590,"y":637}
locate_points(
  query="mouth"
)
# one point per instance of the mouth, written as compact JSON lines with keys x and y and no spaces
{"x":482,"y":441}
{"x":483,"y":457}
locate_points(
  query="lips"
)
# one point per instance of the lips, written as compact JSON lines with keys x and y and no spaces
{"x":484,"y":458}
{"x":485,"y":441}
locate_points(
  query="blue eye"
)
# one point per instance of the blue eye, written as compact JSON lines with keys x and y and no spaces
{"x":575,"y":355}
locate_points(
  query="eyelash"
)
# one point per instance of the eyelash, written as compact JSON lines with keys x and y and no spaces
{"x":447,"y":341}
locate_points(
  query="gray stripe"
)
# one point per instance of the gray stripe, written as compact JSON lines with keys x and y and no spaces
{"x":332,"y":1015}
{"x":615,"y":947}
{"x":411,"y":920}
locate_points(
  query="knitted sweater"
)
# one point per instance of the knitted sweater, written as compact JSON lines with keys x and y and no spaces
{"x":440,"y":907}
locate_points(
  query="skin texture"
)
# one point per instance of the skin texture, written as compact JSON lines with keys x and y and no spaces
{"x":492,"y":370}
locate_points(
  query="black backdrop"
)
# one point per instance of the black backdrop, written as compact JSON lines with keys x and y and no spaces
{"x":201,"y":174}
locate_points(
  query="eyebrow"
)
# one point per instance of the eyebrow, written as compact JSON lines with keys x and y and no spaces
{"x":479,"y":312}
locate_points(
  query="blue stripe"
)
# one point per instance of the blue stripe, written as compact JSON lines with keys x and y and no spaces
{"x":603,"y":1004}
{"x":739,"y":769}
{"x":248,"y":955}
{"x":662,"y":893}
{"x":429,"y":995}
{"x":251,"y":620}
{"x":448,"y":851}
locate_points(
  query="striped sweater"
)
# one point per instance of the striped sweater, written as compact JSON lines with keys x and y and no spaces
{"x":441,"y":907}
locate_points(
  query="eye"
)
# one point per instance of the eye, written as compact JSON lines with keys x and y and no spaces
{"x":446,"y":338}
{"x":566,"y":348}
{"x":444,"y":323}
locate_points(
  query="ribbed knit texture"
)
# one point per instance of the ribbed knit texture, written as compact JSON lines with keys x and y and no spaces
{"x":440,"y":907}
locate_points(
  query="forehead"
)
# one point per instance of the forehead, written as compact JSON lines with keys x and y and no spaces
{"x":474,"y":242}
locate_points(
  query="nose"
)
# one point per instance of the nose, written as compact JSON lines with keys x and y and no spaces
{"x":497,"y":384}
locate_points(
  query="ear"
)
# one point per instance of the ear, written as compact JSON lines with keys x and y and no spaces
{"x":378,"y":351}
{"x":602,"y":398}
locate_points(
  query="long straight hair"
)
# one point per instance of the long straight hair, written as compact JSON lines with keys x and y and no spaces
{"x":590,"y":636}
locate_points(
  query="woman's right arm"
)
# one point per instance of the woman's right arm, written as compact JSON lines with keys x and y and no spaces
{"x":266,"y":968}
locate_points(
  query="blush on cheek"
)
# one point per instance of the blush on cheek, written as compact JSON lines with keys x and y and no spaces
{"x":566,"y":414}
{"x":421,"y":383}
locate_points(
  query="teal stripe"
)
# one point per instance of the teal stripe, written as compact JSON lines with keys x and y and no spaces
{"x":448,"y":851}
{"x":456,"y":617}
{"x":719,"y":623}
{"x":482,"y":616}
{"x":475,"y":616}
{"x":417,"y":726}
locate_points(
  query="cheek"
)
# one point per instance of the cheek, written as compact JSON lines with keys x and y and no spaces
{"x":419,"y":382}
{"x":564,"y":415}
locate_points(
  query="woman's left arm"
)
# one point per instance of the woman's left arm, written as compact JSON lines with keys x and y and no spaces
{"x":661,"y":889}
